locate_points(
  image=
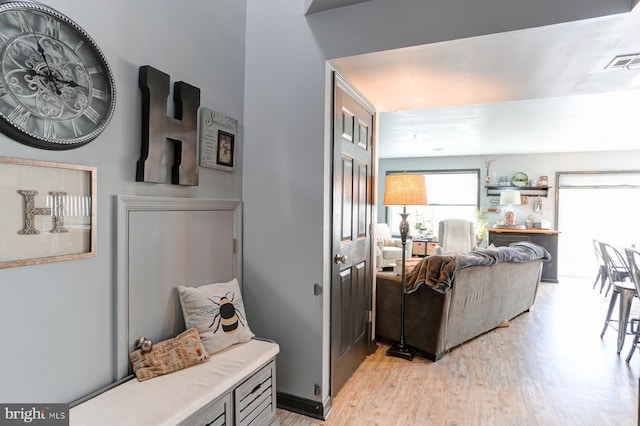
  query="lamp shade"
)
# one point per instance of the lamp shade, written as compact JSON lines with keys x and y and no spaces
{"x":510,"y":197}
{"x":405,"y":190}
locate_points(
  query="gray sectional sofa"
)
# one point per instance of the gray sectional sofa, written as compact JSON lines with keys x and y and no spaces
{"x":452,"y":299}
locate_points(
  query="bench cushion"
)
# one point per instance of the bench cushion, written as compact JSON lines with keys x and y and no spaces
{"x":170,"y":399}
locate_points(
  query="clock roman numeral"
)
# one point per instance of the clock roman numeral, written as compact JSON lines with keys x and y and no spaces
{"x":92,"y":115}
{"x":99,"y":94}
{"x":78,"y":46}
{"x":19,"y":115}
{"x":94,"y":70}
{"x":49,"y":130}
{"x":25,"y":25}
{"x":52,"y":27}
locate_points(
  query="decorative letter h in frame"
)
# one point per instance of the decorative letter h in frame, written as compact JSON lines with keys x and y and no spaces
{"x":157,"y":128}
{"x":30,"y":211}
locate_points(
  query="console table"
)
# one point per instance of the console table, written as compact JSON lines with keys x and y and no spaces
{"x":547,"y":238}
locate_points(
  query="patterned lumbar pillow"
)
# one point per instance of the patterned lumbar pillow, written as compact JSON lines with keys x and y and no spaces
{"x":184,"y":350}
{"x":218,"y":313}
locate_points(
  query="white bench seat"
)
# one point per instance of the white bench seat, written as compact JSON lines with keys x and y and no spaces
{"x":180,"y":397}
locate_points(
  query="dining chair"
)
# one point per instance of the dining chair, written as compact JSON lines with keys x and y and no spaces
{"x":633,"y":259}
{"x":614,"y":261}
{"x":617,"y":267}
{"x":602,"y":273}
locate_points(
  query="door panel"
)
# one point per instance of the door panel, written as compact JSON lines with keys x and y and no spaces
{"x":347,"y":199}
{"x":344,"y":302}
{"x":362,"y":205}
{"x":352,"y":274}
{"x":358,"y":300}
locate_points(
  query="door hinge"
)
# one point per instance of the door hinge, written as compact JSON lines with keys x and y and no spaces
{"x":317,"y":289}
{"x":317,"y":390}
{"x":235,"y":245}
{"x":369,"y":316}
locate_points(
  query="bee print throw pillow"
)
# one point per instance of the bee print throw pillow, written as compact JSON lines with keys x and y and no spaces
{"x":218,"y":313}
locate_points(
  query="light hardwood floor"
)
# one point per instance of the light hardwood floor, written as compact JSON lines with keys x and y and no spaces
{"x":550,"y":367}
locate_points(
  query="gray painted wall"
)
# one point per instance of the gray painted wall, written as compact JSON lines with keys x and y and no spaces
{"x":57,"y":319}
{"x":285,"y":190}
{"x":286,"y":180}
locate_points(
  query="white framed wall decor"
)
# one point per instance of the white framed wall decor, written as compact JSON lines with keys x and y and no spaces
{"x":217,"y":137}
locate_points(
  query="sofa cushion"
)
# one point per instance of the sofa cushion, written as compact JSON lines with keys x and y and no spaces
{"x":392,"y":253}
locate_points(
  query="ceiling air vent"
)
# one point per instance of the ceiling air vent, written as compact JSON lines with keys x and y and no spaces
{"x":624,"y":61}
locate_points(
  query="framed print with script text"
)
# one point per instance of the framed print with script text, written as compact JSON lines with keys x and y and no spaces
{"x":217,"y":138}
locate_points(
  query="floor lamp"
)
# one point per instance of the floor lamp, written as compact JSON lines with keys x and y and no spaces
{"x":404,"y":190}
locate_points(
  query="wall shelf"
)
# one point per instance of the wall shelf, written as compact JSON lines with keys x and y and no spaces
{"x":527,"y":191}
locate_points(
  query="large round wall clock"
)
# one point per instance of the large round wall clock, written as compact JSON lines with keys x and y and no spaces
{"x":56,"y":88}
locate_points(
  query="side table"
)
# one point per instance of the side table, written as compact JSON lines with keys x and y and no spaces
{"x":409,"y":265}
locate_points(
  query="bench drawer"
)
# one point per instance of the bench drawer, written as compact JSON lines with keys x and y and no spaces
{"x":255,"y":399}
{"x":216,"y":413}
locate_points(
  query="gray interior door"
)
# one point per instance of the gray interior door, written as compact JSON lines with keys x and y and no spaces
{"x":352,"y":272}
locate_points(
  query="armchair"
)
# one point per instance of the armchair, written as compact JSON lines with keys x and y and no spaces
{"x":456,"y":236}
{"x":389,"y":248}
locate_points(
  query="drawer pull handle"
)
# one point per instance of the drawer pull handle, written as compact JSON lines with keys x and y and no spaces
{"x":256,"y":388}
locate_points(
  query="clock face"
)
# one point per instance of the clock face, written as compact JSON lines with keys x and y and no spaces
{"x":56,"y":88}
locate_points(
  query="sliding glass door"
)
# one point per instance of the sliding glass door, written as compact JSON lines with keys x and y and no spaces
{"x":595,"y":205}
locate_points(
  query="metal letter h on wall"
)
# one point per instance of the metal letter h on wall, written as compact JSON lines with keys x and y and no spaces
{"x":157,"y":128}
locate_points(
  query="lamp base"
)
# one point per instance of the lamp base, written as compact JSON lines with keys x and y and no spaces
{"x":510,"y":217}
{"x":399,"y":350}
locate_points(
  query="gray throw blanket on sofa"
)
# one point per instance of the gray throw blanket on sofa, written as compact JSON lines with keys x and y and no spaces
{"x":437,"y":271}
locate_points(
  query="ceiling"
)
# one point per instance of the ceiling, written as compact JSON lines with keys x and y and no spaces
{"x":538,"y":90}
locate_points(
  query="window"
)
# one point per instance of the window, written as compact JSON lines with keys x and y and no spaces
{"x":450,"y":194}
